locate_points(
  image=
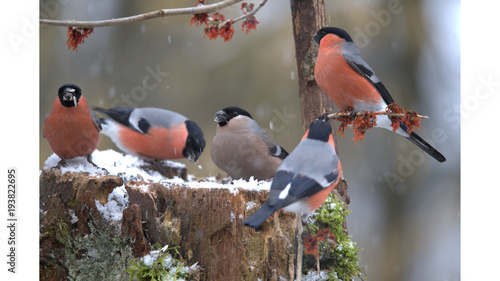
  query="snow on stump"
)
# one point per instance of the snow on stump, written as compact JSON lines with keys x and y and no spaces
{"x":93,"y":224}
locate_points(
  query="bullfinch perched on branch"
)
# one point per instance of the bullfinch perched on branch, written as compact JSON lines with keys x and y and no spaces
{"x":153,"y":133}
{"x":351,"y":83}
{"x":242,"y":148}
{"x":305,"y":178}
{"x":71,"y":127}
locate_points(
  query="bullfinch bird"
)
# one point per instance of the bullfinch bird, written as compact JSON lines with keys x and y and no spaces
{"x":153,"y":133}
{"x":305,"y":178}
{"x":71,"y":127}
{"x":350,"y":82}
{"x":242,"y":148}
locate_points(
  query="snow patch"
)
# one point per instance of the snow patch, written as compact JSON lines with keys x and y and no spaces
{"x":233,"y":186}
{"x":117,"y":202}
{"x":128,"y":167}
{"x":169,"y":263}
{"x":250,"y":205}
{"x":76,"y":165}
{"x":314,"y":276}
{"x":117,"y":164}
{"x":143,"y":187}
{"x":74,"y":218}
{"x":149,"y":259}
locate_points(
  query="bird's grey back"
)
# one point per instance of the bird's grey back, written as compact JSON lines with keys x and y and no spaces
{"x":351,"y":55}
{"x":312,"y":151}
{"x":157,"y":116}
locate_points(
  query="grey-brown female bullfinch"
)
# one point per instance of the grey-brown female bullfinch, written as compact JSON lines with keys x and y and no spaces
{"x":153,"y":133}
{"x":242,"y":148}
{"x":351,"y":83}
{"x":305,"y":178}
{"x":71,"y":127}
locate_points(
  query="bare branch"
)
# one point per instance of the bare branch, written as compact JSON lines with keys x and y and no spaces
{"x":390,"y":114}
{"x":251,"y":13}
{"x":146,"y":16}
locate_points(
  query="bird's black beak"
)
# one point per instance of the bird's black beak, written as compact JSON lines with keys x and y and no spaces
{"x":220,"y":116}
{"x":69,"y":95}
{"x":193,"y":156}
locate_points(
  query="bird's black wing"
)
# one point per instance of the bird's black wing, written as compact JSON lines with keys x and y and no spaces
{"x":303,"y":186}
{"x":97,"y":121}
{"x":372,"y":78}
{"x":122,"y":116}
{"x":300,"y":187}
{"x":278,"y":151}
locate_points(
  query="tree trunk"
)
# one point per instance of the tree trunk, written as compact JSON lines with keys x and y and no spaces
{"x":307,"y":18}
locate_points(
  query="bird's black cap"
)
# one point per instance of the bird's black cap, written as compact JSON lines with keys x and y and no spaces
{"x":332,"y":30}
{"x":319,"y":130}
{"x":69,"y":95}
{"x":224,"y":115}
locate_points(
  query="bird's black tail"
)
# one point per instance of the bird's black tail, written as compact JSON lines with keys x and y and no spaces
{"x":260,"y":216}
{"x":418,"y":141}
{"x":427,"y":148}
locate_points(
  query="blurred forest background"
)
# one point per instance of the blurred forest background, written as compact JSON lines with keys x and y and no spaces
{"x":405,"y":206}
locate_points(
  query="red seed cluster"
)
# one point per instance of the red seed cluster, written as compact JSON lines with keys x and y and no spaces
{"x":217,"y":25}
{"x":76,"y":36}
{"x":311,"y":242}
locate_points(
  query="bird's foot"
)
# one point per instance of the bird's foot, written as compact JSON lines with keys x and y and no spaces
{"x":89,"y":159}
{"x":60,"y":164}
{"x":323,"y":116}
{"x":353,"y":113}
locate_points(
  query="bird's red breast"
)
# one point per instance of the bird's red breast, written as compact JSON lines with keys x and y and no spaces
{"x":157,"y":143}
{"x":71,"y":131}
{"x":344,"y":85}
{"x":315,"y":200}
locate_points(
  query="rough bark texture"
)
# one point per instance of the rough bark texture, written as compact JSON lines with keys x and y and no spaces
{"x":308,"y":17}
{"x":205,"y":223}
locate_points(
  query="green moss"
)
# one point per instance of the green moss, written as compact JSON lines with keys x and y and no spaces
{"x":161,"y":266}
{"x":60,"y":230}
{"x":342,"y":261}
{"x":156,"y":246}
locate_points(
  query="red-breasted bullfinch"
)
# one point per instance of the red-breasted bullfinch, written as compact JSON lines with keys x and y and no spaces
{"x":242,"y":148}
{"x":305,"y":178}
{"x":351,"y":83}
{"x":71,"y":127}
{"x":153,"y":133}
